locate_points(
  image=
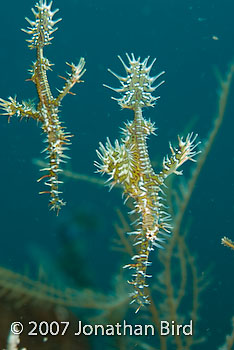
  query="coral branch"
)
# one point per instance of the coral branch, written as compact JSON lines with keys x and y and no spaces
{"x":227,"y":242}
{"x":229,"y":342}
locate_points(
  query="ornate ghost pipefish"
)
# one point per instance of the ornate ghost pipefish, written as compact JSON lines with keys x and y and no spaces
{"x":128,"y":163}
{"x":47,"y":110}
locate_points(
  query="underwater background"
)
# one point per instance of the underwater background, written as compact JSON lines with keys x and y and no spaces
{"x":192,"y":40}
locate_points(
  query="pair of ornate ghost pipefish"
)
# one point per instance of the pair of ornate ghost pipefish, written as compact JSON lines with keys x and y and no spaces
{"x":127,"y":162}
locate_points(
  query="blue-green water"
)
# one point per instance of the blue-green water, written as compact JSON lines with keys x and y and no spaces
{"x":191,"y":40}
